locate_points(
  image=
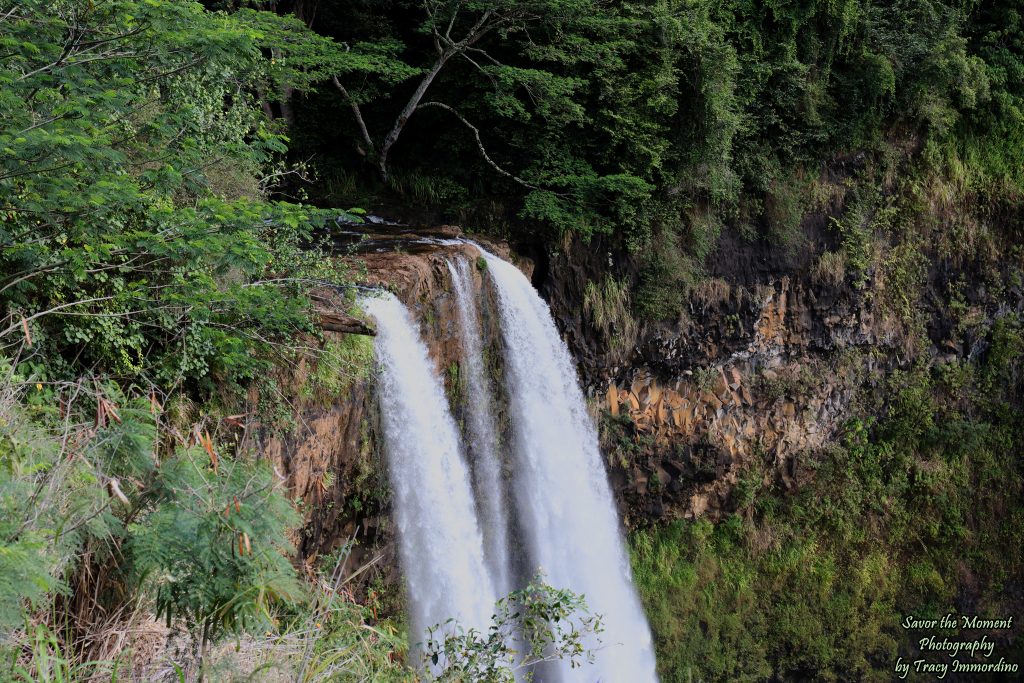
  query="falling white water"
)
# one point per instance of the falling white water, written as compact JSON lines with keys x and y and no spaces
{"x":564,"y":502}
{"x":482,"y":443}
{"x":440,"y":541}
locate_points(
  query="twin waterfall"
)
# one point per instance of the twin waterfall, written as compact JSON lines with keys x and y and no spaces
{"x":462,"y":543}
{"x":441,"y":547}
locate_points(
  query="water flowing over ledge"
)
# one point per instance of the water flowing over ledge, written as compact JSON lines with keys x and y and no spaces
{"x":482,"y":442}
{"x":439,"y":537}
{"x":563,"y":504}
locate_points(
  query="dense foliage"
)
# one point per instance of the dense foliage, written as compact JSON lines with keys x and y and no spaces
{"x":145,"y":280}
{"x":135,"y":238}
{"x":661,"y":123}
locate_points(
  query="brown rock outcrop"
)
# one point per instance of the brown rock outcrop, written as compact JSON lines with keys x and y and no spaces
{"x":331,"y":458}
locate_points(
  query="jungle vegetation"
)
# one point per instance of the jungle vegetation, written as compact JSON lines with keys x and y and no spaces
{"x":169,"y":174}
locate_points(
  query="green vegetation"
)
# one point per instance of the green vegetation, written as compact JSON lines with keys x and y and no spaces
{"x":704,"y":379}
{"x":793,"y":383}
{"x":331,"y":637}
{"x":555,"y":623}
{"x":122,"y":247}
{"x":608,"y":305}
{"x":914,"y":514}
{"x":164,"y":168}
{"x":340,"y":364}
{"x":661,"y":124}
{"x":101,"y":511}
{"x":144,"y":263}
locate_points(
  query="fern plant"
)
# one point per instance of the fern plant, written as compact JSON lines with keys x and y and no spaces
{"x":213,"y":547}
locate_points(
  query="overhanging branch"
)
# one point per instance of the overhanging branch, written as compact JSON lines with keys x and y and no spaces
{"x":480,"y":144}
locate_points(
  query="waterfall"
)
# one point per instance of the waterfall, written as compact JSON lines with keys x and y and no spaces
{"x":482,"y":443}
{"x":440,"y":543}
{"x":564,"y":507}
{"x":564,"y":503}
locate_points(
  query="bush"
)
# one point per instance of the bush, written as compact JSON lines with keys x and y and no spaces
{"x":533,"y":625}
{"x":92,"y":496}
{"x":340,"y":364}
{"x":609,"y":306}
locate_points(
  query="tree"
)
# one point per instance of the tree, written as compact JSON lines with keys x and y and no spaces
{"x":209,"y":540}
{"x":134,"y":232}
{"x":457,"y":29}
{"x":141,"y":258}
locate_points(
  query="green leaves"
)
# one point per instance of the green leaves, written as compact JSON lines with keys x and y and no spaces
{"x":131,"y":182}
{"x":302,"y":59}
{"x":138,"y":246}
{"x":538,"y":623}
{"x":206,"y":534}
{"x":214,"y":550}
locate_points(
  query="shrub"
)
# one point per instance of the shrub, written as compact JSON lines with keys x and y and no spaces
{"x":536,"y":624}
{"x":342,"y":363}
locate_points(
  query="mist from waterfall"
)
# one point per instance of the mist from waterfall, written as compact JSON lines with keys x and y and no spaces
{"x":482,"y":444}
{"x":440,"y":542}
{"x":564,"y":503}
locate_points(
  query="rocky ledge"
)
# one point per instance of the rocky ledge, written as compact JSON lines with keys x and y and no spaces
{"x":331,"y":455}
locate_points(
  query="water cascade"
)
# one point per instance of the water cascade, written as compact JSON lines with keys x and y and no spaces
{"x":440,"y":543}
{"x":564,"y":503}
{"x":482,"y":444}
{"x":564,"y":507}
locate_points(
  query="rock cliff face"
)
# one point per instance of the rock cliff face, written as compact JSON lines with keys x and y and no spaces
{"x":772,"y":354}
{"x":747,"y":387}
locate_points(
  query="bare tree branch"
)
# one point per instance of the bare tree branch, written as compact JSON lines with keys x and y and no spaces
{"x":357,"y":113}
{"x":487,"y":22}
{"x":451,"y":24}
{"x":480,"y":144}
{"x":407,"y":111}
{"x":481,"y":69}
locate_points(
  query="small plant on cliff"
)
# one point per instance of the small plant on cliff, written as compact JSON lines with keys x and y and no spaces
{"x":608,"y":305}
{"x":342,"y":363}
{"x":454,"y":384}
{"x":546,"y":623}
{"x":830,"y":268}
{"x":704,"y":378}
{"x":856,"y":247}
{"x":796,"y":383}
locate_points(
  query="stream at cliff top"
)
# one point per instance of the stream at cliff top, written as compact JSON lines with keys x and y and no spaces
{"x":563,"y":508}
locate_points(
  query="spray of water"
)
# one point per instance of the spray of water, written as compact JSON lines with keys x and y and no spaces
{"x":564,"y":503}
{"x":482,"y":442}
